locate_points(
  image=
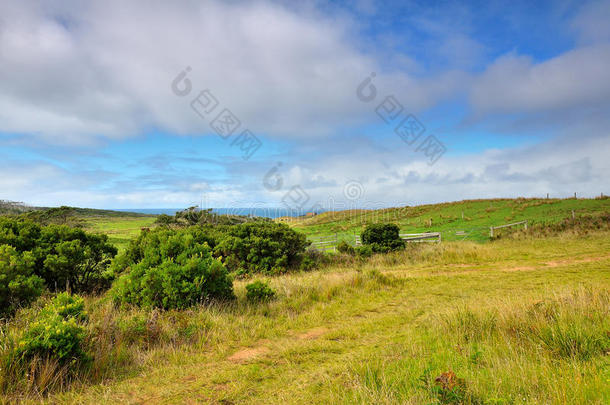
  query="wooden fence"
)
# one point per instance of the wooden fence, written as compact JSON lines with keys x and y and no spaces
{"x":421,"y":237}
{"x":411,"y":237}
{"x":325,"y":243}
{"x":492,"y":228}
{"x":329,"y":243}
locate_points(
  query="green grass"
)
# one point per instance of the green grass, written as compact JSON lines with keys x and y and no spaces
{"x":519,"y":321}
{"x":478,"y":216}
{"x":120,"y":229}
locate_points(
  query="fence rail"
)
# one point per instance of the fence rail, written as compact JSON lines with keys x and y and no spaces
{"x":421,"y":237}
{"x":492,"y":228}
{"x":325,"y":243}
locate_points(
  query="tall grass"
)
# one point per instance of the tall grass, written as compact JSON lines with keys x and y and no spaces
{"x":392,"y":335}
{"x":513,"y":353}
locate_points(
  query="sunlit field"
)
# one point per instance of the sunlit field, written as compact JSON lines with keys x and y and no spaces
{"x":515,"y":320}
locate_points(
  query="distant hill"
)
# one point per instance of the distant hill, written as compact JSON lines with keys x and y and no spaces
{"x":468,"y":219}
{"x":13,"y":207}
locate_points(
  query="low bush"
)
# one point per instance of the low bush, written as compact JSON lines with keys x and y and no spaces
{"x":364,"y":251}
{"x":312,"y":259}
{"x":346,"y":248}
{"x":259,"y":291}
{"x":58,"y":333}
{"x":382,"y":238}
{"x":171,"y":271}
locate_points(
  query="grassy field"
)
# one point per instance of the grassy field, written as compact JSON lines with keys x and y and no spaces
{"x":517,"y":321}
{"x":470,"y":217}
{"x":511,"y":321}
{"x":478,"y":216}
{"x":120,"y":229}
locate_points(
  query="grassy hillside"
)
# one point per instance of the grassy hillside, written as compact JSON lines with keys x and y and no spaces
{"x":470,"y":219}
{"x":517,"y":321}
{"x":120,"y":229}
{"x":120,"y":226}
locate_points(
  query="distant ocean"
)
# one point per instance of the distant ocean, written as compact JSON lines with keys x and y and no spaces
{"x":257,"y":212}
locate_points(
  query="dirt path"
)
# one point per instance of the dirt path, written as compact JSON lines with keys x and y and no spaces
{"x":262,"y":347}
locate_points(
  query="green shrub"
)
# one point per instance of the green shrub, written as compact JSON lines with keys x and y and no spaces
{"x":62,"y":256}
{"x":364,"y":251}
{"x":312,"y":259}
{"x":261,"y":247}
{"x":58,"y":333}
{"x":18,"y":285}
{"x":172,"y":271}
{"x":253,"y":247}
{"x":259,"y":291}
{"x":382,"y":238}
{"x":67,"y":306}
{"x":346,"y":248}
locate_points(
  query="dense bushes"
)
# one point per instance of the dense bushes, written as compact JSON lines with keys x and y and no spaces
{"x":196,"y":216}
{"x":171,"y":269}
{"x":382,"y":238}
{"x":261,"y":247}
{"x":254,"y":247}
{"x":61,"y":256}
{"x":18,"y":284}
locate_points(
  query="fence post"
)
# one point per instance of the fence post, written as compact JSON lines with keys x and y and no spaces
{"x":573,"y":214}
{"x":491,"y":231}
{"x":525,"y":225}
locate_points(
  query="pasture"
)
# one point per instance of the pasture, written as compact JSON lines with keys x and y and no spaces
{"x":516,"y":321}
{"x":520,"y":319}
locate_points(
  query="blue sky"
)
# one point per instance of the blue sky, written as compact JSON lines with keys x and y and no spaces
{"x":514,"y":98}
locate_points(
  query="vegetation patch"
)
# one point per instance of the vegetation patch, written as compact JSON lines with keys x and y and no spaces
{"x":259,"y":291}
{"x":171,"y":269}
{"x":382,"y":238}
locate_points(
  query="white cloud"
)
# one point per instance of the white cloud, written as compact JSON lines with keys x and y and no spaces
{"x":515,"y":84}
{"x":71,"y":71}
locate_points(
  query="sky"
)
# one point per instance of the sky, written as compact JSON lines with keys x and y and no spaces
{"x":304,"y":105}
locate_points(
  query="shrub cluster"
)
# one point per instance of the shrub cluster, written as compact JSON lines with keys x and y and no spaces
{"x":261,"y":247}
{"x":382,"y":238}
{"x":248,"y":248}
{"x":57,"y":256}
{"x":170,"y":269}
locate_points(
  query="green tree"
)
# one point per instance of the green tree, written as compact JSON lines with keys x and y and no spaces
{"x":18,"y":284}
{"x":63,"y":256}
